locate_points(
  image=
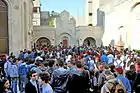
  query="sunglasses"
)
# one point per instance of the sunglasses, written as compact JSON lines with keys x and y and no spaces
{"x":34,"y":75}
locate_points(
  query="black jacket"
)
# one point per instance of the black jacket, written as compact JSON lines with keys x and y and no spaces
{"x":30,"y":88}
{"x":79,"y":82}
{"x":59,"y":81}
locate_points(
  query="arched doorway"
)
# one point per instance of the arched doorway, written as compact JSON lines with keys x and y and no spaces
{"x":65,"y":41}
{"x":89,"y":41}
{"x":43,"y":41}
{"x":4,"y":41}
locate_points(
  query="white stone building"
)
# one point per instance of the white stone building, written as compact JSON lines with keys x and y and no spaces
{"x":122,"y":19}
{"x":119,"y":18}
{"x":36,"y":12}
{"x":16,"y":25}
{"x":66,"y":32}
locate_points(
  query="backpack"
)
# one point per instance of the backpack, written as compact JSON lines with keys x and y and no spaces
{"x":60,"y":82}
{"x":80,"y":82}
{"x":23,"y":69}
{"x":14,"y":71}
{"x":116,"y":88}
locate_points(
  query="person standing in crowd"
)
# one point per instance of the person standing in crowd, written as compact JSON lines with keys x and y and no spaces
{"x":51,"y":67}
{"x":59,"y":78}
{"x":5,"y":86}
{"x":37,"y":67}
{"x":92,"y":65}
{"x":104,"y":58}
{"x":23,"y":70}
{"x":118,"y":62}
{"x":38,"y":57}
{"x":110,"y":58}
{"x":123,"y":79}
{"x":7,"y":67}
{"x":33,"y":85}
{"x":79,"y":80}
{"x":14,"y":75}
{"x":45,"y":86}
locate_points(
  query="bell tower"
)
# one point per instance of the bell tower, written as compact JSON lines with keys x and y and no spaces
{"x":91,"y":8}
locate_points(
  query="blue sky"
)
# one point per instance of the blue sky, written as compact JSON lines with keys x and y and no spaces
{"x":75,"y":7}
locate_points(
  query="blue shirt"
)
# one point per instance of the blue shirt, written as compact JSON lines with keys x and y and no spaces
{"x":46,"y":88}
{"x":104,"y":58}
{"x":125,"y":82}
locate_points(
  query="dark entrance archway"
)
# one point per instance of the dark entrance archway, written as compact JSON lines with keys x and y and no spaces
{"x":43,"y":41}
{"x":89,"y":41}
{"x":4,"y":40}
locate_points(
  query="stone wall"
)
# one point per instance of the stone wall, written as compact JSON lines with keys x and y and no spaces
{"x":18,"y":26}
{"x":82,"y":32}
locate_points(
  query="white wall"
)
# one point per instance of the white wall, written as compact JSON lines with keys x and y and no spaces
{"x":114,"y":18}
{"x":82,"y":32}
{"x":36,"y":3}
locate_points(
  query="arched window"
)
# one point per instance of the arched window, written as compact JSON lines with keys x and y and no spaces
{"x":4,"y":42}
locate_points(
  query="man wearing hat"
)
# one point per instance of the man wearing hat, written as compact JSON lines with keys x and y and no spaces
{"x":123,"y":79}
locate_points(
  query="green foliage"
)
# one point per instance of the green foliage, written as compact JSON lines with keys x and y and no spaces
{"x":51,"y":21}
{"x":138,"y":51}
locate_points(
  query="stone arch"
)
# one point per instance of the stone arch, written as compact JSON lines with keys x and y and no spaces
{"x":89,"y":41}
{"x":65,"y":39}
{"x":4,"y":33}
{"x":43,"y":41}
{"x":134,"y":6}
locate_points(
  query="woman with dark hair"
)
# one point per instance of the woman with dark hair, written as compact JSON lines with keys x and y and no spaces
{"x":5,"y":86}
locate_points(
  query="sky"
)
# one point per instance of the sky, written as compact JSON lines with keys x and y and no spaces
{"x":74,"y":7}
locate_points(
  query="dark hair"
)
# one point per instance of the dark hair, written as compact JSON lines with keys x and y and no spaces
{"x":15,"y":59}
{"x":51,"y":63}
{"x":30,"y":74}
{"x":10,"y":57}
{"x":26,"y":60}
{"x":45,"y":64}
{"x":79,"y":64}
{"x":2,"y":82}
{"x":45,"y":76}
{"x":39,"y":54}
{"x":60,"y":63}
{"x":38,"y":63}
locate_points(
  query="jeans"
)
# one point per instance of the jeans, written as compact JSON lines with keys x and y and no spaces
{"x":14,"y":84}
{"x":23,"y":81}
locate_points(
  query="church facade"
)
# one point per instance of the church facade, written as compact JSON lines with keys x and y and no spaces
{"x":16,"y":25}
{"x":66,"y":33}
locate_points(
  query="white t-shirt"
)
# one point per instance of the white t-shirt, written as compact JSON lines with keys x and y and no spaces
{"x":38,"y":58}
{"x":118,"y":63}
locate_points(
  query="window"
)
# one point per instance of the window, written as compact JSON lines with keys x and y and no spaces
{"x":90,"y":2}
{"x":90,"y":14}
{"x":89,"y":24}
{"x":90,"y":6}
{"x":34,"y":9}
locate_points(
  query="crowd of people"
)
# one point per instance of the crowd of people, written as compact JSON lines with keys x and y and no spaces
{"x":78,"y":69}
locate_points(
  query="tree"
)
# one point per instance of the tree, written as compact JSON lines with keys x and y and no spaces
{"x":51,"y":21}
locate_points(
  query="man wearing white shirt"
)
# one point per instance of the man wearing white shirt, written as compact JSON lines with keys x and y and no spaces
{"x":38,"y":57}
{"x":118,"y":62}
